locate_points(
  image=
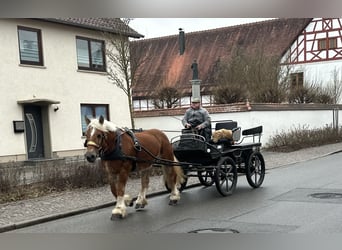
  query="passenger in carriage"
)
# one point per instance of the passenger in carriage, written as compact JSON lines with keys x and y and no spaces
{"x":197,"y":117}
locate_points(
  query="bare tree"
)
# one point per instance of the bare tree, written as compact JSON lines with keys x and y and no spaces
{"x":306,"y":93}
{"x":254,"y":76}
{"x":166,"y":97}
{"x":336,"y":87}
{"x":231,"y":85}
{"x":265,"y":77}
{"x":121,"y":68}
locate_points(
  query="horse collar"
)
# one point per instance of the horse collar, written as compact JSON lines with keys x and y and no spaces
{"x":116,"y":154}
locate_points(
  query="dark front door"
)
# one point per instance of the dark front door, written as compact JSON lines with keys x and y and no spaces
{"x":34,"y":131}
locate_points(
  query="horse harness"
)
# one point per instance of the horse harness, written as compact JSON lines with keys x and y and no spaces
{"x":117,"y":153}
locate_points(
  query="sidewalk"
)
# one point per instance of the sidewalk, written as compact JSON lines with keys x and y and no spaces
{"x":26,"y":212}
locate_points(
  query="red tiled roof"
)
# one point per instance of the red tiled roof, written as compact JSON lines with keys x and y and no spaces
{"x":164,"y":66}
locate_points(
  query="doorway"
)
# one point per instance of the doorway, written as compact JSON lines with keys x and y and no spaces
{"x":34,"y":131}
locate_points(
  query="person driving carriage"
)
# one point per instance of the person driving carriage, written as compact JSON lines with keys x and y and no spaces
{"x":197,"y":117}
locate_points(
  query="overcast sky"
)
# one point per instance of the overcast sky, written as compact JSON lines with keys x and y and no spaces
{"x":157,"y":27}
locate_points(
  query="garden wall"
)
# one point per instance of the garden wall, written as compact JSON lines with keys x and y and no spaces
{"x":274,"y":118}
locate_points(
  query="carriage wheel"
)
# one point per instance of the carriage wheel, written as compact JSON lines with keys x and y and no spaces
{"x":226,"y":176}
{"x":206,"y":178}
{"x":255,"y":170}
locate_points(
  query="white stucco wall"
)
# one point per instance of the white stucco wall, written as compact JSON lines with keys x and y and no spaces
{"x":59,"y":79}
{"x":273,"y":122}
{"x":321,"y":73}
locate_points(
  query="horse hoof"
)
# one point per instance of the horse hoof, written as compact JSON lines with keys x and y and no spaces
{"x":139,"y":206}
{"x":116,"y":216}
{"x":131,"y":203}
{"x":173,"y":202}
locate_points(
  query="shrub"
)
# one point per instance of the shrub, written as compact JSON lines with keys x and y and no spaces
{"x":303,"y":137}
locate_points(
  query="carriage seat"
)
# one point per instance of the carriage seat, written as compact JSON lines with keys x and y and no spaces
{"x":231,"y":125}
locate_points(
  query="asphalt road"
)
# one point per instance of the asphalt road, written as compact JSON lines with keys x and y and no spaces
{"x":298,"y":198}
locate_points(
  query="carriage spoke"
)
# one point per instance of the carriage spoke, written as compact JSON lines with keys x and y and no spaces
{"x":206,"y":177}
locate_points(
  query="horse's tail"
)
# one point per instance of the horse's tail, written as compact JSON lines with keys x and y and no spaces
{"x":180,"y":176}
{"x":173,"y":175}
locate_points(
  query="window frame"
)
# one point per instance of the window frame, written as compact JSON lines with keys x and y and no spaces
{"x":297,"y":79}
{"x":40,"y":46}
{"x":332,"y":43}
{"x":327,"y":43}
{"x":90,"y":58}
{"x":94,"y":115}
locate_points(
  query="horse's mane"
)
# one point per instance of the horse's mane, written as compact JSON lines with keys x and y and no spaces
{"x":107,"y":126}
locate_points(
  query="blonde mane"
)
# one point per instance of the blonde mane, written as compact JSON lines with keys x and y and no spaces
{"x":107,"y":126}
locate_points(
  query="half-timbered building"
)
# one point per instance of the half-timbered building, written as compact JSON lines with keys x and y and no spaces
{"x":315,"y":55}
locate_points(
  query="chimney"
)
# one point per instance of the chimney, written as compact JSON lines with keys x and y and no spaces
{"x":181,"y":41}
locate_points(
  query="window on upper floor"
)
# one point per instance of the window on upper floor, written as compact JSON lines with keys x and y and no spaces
{"x":327,"y":43}
{"x":90,"y":54}
{"x":93,"y":111}
{"x":30,"y":46}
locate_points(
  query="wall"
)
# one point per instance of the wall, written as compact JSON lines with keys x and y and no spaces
{"x":324,"y":74}
{"x":48,"y":172}
{"x":274,"y":118}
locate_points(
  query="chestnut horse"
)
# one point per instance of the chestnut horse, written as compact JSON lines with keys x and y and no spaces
{"x":123,"y":151}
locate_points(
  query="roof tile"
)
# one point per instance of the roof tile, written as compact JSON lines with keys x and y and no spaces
{"x":164,"y":66}
{"x":113,"y":25}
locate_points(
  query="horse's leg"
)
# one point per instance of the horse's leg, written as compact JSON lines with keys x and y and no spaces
{"x":145,"y":180}
{"x":112,"y":179}
{"x":120,"y":209}
{"x":173,"y":178}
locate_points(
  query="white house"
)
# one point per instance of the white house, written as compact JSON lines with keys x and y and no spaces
{"x":52,"y":74}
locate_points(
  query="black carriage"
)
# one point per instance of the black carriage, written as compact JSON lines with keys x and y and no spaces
{"x":223,"y":161}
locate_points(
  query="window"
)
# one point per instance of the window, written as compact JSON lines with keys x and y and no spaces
{"x":30,"y":46}
{"x":332,"y":43}
{"x":90,"y":54}
{"x":329,"y":43}
{"x":92,"y":111}
{"x":297,"y":79}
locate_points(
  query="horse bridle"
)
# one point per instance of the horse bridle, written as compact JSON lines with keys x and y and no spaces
{"x":94,"y":144}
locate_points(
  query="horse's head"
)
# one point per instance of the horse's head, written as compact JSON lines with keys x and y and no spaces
{"x":96,"y":137}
